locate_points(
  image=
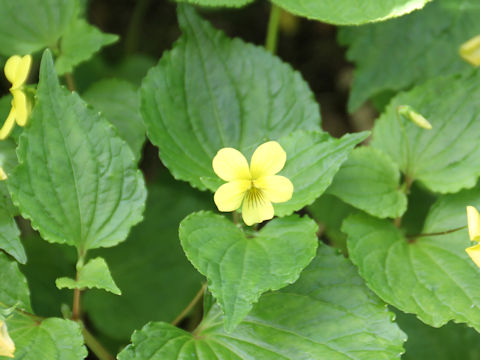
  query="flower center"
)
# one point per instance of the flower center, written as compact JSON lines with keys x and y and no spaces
{"x":254,"y":195}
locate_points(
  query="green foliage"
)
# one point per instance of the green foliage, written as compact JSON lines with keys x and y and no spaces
{"x":420,"y":46}
{"x":152,"y":248}
{"x":211,"y":92}
{"x":440,"y":344}
{"x":370,"y":181}
{"x":31,"y":25}
{"x":430,"y":276}
{"x":119,"y":101}
{"x":52,"y":339}
{"x":13,"y":289}
{"x":350,"y":12}
{"x":350,"y":323}
{"x":451,"y":105}
{"x":10,"y":236}
{"x":79,"y":42}
{"x":394,"y":205}
{"x":94,"y":274}
{"x":86,"y":190}
{"x":236,"y":264}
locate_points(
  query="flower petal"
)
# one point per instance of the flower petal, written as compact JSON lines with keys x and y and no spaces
{"x":276,"y":188}
{"x":473,"y":218}
{"x":17,"y":69}
{"x":22,"y":109}
{"x":8,"y":124}
{"x":256,"y":207}
{"x":470,"y":51}
{"x":268,"y":159}
{"x":230,"y":164}
{"x":229,"y":196}
{"x":474,"y":253}
{"x":7,"y":347}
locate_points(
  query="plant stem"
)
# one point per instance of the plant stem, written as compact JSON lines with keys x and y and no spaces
{"x":70,"y":82}
{"x":133,"y":32}
{"x":413,"y":237}
{"x":273,"y":26}
{"x":94,"y":345}
{"x":76,"y":310}
{"x":190,"y":306}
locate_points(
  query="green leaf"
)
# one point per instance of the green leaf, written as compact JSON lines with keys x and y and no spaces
{"x":217,"y":3}
{"x":119,"y":101}
{"x":94,"y":274}
{"x":150,"y":267}
{"x":13,"y":285}
{"x":10,"y":236}
{"x":450,"y":342}
{"x":240,"y":268}
{"x":76,"y":180}
{"x":79,"y":43}
{"x":446,"y":158}
{"x":329,"y":211}
{"x":313,"y":160}
{"x":30,"y":25}
{"x":52,"y":339}
{"x":211,"y":92}
{"x":8,"y":162}
{"x":327,"y":314}
{"x":430,"y":276}
{"x":350,"y":12}
{"x":370,"y":181}
{"x":441,"y":28}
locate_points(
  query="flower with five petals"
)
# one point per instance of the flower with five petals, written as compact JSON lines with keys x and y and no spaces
{"x":473,"y":219}
{"x":16,"y":70}
{"x":257,"y":186}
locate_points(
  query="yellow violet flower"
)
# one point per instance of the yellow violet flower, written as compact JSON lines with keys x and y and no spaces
{"x":473,"y":218}
{"x":470,"y":51}
{"x":257,"y":186}
{"x":7,"y":347}
{"x":16,"y":71}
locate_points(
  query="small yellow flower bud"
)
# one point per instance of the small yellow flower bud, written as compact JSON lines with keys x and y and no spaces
{"x":7,"y":346}
{"x":470,"y":51}
{"x":407,"y":112}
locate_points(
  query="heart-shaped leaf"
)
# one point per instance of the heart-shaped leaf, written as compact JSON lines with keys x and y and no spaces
{"x":430,"y":276}
{"x":239,"y":267}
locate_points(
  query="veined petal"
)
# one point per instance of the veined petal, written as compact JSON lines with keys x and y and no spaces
{"x":276,"y":188}
{"x":474,"y":253}
{"x":229,"y":196}
{"x":473,"y":219}
{"x":20,"y":103}
{"x":268,"y":159}
{"x":8,"y":124}
{"x":17,"y":69}
{"x":256,"y":207}
{"x":7,"y":347}
{"x":230,"y":164}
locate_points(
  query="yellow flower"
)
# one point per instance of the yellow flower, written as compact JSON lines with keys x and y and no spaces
{"x":470,"y":51}
{"x":16,"y":71}
{"x":473,"y":218}
{"x":256,"y":186}
{"x":7,"y":347}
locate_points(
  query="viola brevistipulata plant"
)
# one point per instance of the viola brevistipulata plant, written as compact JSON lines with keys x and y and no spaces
{"x":239,"y":180}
